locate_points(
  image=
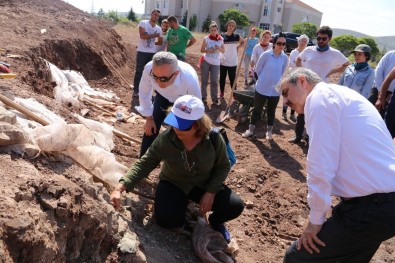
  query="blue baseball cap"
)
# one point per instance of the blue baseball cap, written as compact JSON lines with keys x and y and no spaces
{"x":186,"y":110}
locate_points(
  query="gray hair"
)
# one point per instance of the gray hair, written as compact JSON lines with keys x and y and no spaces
{"x":163,"y":57}
{"x":292,"y":77}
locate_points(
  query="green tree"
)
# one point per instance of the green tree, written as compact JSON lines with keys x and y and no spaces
{"x":206,"y":24}
{"x":240,"y":18}
{"x":308,"y":29}
{"x":132,"y":15}
{"x":344,"y":43}
{"x":183,"y":21}
{"x":113,"y":15}
{"x":101,"y":13}
{"x":193,"y":22}
{"x":372,"y":44}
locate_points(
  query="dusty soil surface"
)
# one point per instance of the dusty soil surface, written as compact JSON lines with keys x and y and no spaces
{"x":52,"y":211}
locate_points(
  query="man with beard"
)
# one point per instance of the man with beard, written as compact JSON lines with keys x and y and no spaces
{"x":323,"y":60}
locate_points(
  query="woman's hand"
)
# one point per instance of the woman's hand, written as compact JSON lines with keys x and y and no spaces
{"x":115,"y":196}
{"x":206,"y":203}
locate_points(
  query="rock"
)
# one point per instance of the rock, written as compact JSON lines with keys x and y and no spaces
{"x":249,"y":204}
{"x":128,"y":243}
{"x":10,"y":134}
{"x":7,"y":116}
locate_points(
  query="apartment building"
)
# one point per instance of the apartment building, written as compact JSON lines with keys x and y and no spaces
{"x":274,"y":15}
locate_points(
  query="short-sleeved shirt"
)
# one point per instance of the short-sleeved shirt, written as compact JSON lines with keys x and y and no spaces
{"x":178,"y":40}
{"x":386,"y":64}
{"x":213,"y":58}
{"x":229,"y":57}
{"x":251,"y":43}
{"x":258,"y":50}
{"x":322,"y":62}
{"x":148,"y":45}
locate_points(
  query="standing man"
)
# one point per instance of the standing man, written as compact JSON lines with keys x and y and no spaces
{"x":323,"y":60}
{"x":170,"y":79}
{"x":389,"y":116}
{"x":148,"y":32}
{"x":179,"y":38}
{"x":386,"y":64}
{"x":165,"y":27}
{"x":358,"y":167}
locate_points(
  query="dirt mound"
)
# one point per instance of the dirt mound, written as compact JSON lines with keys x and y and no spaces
{"x":51,"y":210}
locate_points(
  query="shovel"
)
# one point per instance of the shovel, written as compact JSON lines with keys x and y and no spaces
{"x":7,"y":75}
{"x":225,"y":114}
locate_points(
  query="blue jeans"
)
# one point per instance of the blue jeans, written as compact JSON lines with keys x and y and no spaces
{"x":159,"y":114}
{"x":352,"y":234}
{"x":142,"y":58}
{"x":171,"y":205}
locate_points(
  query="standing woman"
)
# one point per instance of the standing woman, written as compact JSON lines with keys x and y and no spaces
{"x":302,"y":44}
{"x":252,"y":41}
{"x":269,"y":69}
{"x":212,"y":46}
{"x":232,"y":43}
{"x":359,"y":76}
{"x":262,"y":46}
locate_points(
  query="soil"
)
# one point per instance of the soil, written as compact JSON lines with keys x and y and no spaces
{"x":50,"y":208}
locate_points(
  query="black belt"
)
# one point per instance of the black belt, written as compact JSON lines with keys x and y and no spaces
{"x":371,"y":199}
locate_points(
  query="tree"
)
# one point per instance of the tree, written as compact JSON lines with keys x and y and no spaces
{"x":206,"y":24}
{"x":240,"y":18}
{"x":344,"y":43}
{"x":101,"y":13}
{"x":306,"y":28}
{"x":193,"y":22}
{"x":132,"y":15}
{"x":183,"y":21}
{"x":113,"y":15}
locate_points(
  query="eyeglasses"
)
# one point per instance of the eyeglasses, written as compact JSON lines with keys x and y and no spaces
{"x":161,"y":79}
{"x":322,"y":38}
{"x":188,"y":167}
{"x":280,"y":44}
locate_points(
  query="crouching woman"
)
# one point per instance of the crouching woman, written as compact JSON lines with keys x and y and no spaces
{"x":193,"y":169}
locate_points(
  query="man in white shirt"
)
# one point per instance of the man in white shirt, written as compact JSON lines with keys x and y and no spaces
{"x":170,"y":79}
{"x":351,"y":156}
{"x":148,"y":32}
{"x":323,"y":60}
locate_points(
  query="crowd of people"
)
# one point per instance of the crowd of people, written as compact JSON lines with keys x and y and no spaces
{"x":342,"y":121}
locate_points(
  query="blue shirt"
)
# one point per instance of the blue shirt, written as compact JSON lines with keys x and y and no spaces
{"x":251,"y":43}
{"x":269,"y":69}
{"x":361,"y":81}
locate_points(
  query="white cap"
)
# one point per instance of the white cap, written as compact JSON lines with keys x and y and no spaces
{"x":186,"y":110}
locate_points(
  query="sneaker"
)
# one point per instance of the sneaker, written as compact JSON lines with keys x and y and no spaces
{"x":269,"y":135}
{"x":292,"y":117}
{"x":284,"y":117}
{"x":295,"y":139}
{"x":247,"y":134}
{"x":224,"y":232}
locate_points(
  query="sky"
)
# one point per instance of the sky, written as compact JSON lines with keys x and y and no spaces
{"x":365,"y":16}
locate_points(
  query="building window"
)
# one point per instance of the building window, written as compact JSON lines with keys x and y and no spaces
{"x":182,"y":4}
{"x":165,"y":4}
{"x":157,"y":5}
{"x":266,"y":11}
{"x":264,"y":26}
{"x":279,"y":9}
{"x":280,"y":1}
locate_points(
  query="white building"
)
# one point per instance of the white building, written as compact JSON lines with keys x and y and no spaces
{"x":274,"y":15}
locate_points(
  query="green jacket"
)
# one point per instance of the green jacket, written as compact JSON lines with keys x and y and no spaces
{"x":207,"y":165}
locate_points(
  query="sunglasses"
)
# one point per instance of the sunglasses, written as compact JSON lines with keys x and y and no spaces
{"x":280,"y":44}
{"x":322,"y":38}
{"x":161,"y":79}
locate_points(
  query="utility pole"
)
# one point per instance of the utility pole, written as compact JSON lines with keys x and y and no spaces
{"x":187,"y":17}
{"x":92,"y":8}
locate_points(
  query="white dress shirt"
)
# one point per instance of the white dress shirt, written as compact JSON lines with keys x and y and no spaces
{"x":186,"y":83}
{"x":351,"y":152}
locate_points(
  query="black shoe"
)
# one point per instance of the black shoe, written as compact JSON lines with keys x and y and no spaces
{"x":252,"y":82}
{"x":296,"y":139}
